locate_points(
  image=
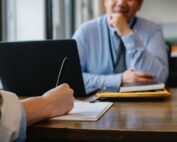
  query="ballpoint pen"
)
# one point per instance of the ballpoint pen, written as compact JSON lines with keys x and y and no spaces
{"x":62,"y":71}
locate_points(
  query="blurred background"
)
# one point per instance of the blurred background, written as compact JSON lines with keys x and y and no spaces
{"x":57,"y":19}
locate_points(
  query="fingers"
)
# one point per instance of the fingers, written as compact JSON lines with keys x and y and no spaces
{"x":113,"y":5}
{"x":61,"y":90}
{"x":65,"y":87}
{"x":131,"y":76}
{"x":143,"y":80}
{"x":144,"y":75}
{"x":119,"y":22}
{"x":116,"y":22}
{"x":60,"y":99}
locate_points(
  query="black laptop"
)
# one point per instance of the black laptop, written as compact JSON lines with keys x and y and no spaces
{"x":31,"y":68}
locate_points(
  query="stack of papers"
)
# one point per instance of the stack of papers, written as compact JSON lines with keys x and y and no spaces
{"x":129,"y":90}
{"x":86,"y":111}
{"x":134,"y":87}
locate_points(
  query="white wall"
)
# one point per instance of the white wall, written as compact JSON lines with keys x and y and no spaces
{"x":30,"y":19}
{"x":163,"y":12}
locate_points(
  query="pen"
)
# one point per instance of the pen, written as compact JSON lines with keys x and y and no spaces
{"x":97,"y":99}
{"x":62,"y":71}
{"x":94,"y":101}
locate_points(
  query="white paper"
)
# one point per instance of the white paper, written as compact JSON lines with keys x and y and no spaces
{"x":86,"y":111}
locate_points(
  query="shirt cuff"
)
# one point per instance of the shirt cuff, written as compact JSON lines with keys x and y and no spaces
{"x":131,"y":41}
{"x":22,"y":133}
{"x":112,"y":82}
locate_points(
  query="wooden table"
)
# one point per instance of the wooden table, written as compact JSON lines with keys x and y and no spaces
{"x":125,"y":121}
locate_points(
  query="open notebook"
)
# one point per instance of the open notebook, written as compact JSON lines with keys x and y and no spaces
{"x":86,"y":111}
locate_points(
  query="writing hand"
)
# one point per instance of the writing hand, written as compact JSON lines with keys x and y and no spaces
{"x":60,"y":100}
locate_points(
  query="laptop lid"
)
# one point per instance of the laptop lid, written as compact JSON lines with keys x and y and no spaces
{"x":31,"y":68}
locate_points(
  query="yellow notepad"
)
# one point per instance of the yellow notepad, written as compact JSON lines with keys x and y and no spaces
{"x":148,"y":94}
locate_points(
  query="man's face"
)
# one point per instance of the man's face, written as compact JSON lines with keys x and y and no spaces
{"x":126,"y":7}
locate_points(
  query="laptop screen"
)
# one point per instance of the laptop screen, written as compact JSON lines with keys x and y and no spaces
{"x":31,"y":68}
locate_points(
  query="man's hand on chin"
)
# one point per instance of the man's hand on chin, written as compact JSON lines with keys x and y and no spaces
{"x":120,"y":23}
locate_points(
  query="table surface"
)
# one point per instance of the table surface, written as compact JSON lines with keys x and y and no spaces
{"x":126,"y":120}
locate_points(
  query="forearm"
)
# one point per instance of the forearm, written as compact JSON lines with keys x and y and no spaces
{"x":152,"y":59}
{"x":149,"y":63}
{"x":102,"y":81}
{"x":35,"y":109}
{"x":55,"y":102}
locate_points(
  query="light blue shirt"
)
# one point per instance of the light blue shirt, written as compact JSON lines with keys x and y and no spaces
{"x":145,"y":51}
{"x":22,"y":133}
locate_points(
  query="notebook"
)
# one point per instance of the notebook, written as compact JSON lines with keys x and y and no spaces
{"x":134,"y":87}
{"x":86,"y":111}
{"x":30,"y":68}
{"x":138,"y":90}
{"x":145,"y":94}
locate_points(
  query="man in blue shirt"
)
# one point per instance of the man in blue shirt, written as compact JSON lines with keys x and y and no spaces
{"x":98,"y":43}
{"x":15,"y":116}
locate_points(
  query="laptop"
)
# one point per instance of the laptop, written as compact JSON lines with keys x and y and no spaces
{"x":31,"y":68}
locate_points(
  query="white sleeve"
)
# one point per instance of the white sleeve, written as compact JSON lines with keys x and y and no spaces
{"x":10,"y":117}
